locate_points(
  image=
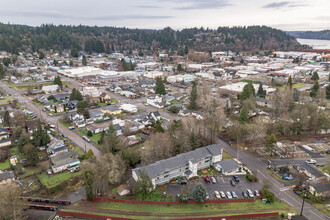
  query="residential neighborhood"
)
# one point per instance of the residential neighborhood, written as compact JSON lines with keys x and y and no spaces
{"x":112,"y":129}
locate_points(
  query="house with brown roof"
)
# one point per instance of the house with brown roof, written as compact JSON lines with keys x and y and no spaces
{"x":104,"y":97}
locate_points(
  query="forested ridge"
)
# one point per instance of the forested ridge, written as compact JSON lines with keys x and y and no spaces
{"x":321,"y":35}
{"x":16,"y":38}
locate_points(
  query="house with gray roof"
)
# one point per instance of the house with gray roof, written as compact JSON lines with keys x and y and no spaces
{"x":6,"y":177}
{"x":228,"y":167}
{"x":186,"y":164}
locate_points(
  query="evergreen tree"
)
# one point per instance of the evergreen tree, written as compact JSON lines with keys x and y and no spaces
{"x":6,"y":61}
{"x":41,"y":55}
{"x":74,"y":52}
{"x":90,"y":154}
{"x":199,"y":193}
{"x":31,"y":153}
{"x":84,"y":60}
{"x":2,"y":71}
{"x":55,"y":109}
{"x":193,"y":97}
{"x":22,"y":141}
{"x":314,"y":89}
{"x":290,"y":82}
{"x":58,"y":81}
{"x":248,"y":91}
{"x":179,"y":68}
{"x":89,"y":185}
{"x":261,"y":92}
{"x":160,"y":88}
{"x":193,"y":140}
{"x":143,"y":185}
{"x":71,"y":63}
{"x":64,"y":107}
{"x":6,"y":119}
{"x":315,"y":76}
{"x":270,"y":143}
{"x":186,"y":50}
{"x":296,"y":95}
{"x":327,"y":91}
{"x":242,"y":61}
{"x":76,"y":95}
{"x":243,"y":116}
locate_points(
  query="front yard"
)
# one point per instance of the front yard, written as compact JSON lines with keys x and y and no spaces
{"x":95,"y":138}
{"x":207,"y":171}
{"x":56,"y":179}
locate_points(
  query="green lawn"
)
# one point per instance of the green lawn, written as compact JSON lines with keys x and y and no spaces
{"x":227,"y":209}
{"x":157,"y":195}
{"x":5,"y":165}
{"x":7,"y":98}
{"x":322,"y":208}
{"x":114,"y":100}
{"x":95,"y":138}
{"x":56,"y":179}
{"x":35,"y":169}
{"x":102,"y":104}
{"x":64,"y":124}
{"x":210,"y":171}
{"x":294,"y":86}
{"x":175,"y":102}
{"x":225,"y":156}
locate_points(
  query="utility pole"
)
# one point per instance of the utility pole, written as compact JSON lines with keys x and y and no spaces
{"x":302,"y":205}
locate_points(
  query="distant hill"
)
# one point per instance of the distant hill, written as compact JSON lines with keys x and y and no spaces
{"x":15,"y":38}
{"x":321,"y":35}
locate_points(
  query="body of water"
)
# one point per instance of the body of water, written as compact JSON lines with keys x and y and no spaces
{"x":316,"y":44}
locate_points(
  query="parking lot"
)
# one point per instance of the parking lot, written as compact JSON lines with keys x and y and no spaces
{"x":222,"y":184}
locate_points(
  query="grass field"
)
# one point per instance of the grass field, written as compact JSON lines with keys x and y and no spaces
{"x":35,"y":169}
{"x":322,"y":208}
{"x":225,"y":156}
{"x":64,"y":124}
{"x":175,"y":102}
{"x":114,"y":100}
{"x":136,"y":211}
{"x":5,"y":165}
{"x":294,"y":86}
{"x":54,"y":180}
{"x":95,"y":138}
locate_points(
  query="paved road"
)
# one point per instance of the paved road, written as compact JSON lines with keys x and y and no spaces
{"x":52,"y":120}
{"x":258,"y":165}
{"x":253,"y":163}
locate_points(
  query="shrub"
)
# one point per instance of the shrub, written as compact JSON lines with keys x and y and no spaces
{"x":267,"y":195}
{"x":249,"y":177}
{"x":89,"y":133}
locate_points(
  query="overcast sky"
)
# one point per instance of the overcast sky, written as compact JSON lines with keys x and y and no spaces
{"x":178,"y":14}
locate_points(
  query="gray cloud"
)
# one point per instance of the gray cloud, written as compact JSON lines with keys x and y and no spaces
{"x":199,"y":4}
{"x":56,"y":14}
{"x":147,"y":6}
{"x":284,"y":4}
{"x":276,"y":5}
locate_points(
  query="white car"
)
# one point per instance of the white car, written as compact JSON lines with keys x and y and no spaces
{"x":213,"y":180}
{"x":217,"y":195}
{"x":229,"y":196}
{"x":311,"y":161}
{"x":250,"y":194}
{"x":222,"y":194}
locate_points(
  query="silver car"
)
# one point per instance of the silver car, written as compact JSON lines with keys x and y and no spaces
{"x":249,"y":192}
{"x":229,"y":195}
{"x":213,"y":179}
{"x":222,"y":194}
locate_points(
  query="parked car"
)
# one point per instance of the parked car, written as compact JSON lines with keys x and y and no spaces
{"x":217,"y":195}
{"x":86,"y":139}
{"x":213,"y":179}
{"x":233,"y":194}
{"x":232,"y":182}
{"x":207,"y":180}
{"x":236,"y":179}
{"x":207,"y":196}
{"x":222,"y":194}
{"x":311,"y":161}
{"x":256,"y":193}
{"x":182,"y":182}
{"x":71,"y":127}
{"x":249,"y":192}
{"x":229,"y":195}
{"x":245,"y":195}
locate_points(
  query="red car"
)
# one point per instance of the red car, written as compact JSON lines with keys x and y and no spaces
{"x":207,"y":179}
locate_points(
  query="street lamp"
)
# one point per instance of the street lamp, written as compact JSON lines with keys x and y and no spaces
{"x":302,"y":205}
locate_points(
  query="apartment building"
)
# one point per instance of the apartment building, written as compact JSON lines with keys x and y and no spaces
{"x":186,"y":164}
